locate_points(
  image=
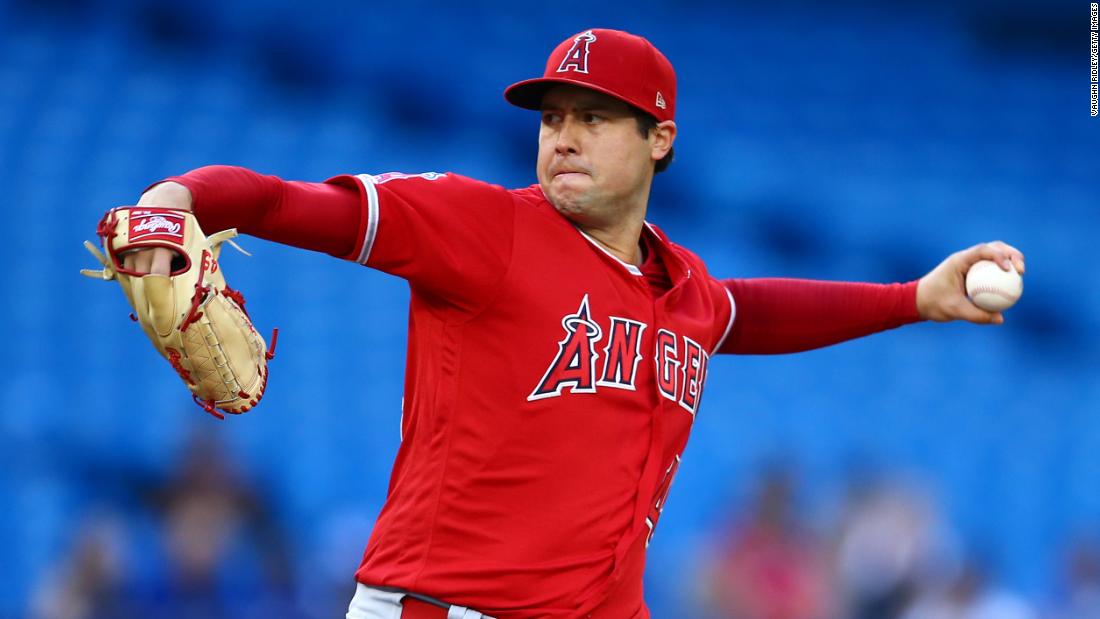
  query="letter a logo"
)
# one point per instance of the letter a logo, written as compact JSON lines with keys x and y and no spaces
{"x":576,"y":59}
{"x":575,"y":364}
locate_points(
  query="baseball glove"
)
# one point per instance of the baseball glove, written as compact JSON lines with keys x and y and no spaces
{"x":195,"y":321}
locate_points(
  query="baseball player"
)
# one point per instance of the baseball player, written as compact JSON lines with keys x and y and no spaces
{"x":558,"y":343}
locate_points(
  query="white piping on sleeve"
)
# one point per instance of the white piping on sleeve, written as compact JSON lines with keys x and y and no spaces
{"x":372,"y":216}
{"x":729,"y":325}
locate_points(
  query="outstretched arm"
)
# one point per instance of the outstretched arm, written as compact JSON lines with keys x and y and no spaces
{"x":792,"y":315}
{"x":319,"y":216}
{"x":789,"y":315}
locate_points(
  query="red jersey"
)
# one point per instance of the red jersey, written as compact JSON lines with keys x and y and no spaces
{"x":548,"y":395}
{"x":550,"y":387}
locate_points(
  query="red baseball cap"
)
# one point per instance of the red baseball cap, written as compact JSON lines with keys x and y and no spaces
{"x":616,"y":63}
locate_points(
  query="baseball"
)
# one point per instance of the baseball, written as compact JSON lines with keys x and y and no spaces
{"x":992,"y":288}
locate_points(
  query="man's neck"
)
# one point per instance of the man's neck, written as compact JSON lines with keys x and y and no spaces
{"x":619,"y":231}
{"x":621,"y":241}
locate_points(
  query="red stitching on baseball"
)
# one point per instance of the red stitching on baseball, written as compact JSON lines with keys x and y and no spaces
{"x":997,"y":291}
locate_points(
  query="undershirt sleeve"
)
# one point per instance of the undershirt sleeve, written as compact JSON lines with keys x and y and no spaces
{"x":449,"y":236}
{"x":773,"y":316}
{"x":322,"y":217}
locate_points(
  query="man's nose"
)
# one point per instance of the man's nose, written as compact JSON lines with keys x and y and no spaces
{"x":568,"y":142}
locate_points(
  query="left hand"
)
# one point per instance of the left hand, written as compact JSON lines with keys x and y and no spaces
{"x":941,"y":295}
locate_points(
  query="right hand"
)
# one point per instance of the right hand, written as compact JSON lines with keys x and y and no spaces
{"x":158,"y":260}
{"x":941,"y":295}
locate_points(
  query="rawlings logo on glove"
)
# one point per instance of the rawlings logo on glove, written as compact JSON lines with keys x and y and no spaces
{"x":152,"y":221}
{"x":195,"y":321}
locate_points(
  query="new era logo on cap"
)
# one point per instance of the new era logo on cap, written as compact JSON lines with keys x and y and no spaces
{"x":616,"y":63}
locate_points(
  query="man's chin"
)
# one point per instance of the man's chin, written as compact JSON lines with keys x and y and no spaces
{"x":567,"y":203}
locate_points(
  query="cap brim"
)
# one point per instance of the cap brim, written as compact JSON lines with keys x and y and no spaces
{"x":528,"y":94}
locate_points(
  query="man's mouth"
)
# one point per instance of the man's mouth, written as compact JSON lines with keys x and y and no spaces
{"x":567,"y":172}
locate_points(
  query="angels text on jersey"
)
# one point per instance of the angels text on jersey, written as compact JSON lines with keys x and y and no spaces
{"x":681,"y":363}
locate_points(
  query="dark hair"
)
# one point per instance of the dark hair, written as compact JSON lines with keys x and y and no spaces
{"x":646,"y":123}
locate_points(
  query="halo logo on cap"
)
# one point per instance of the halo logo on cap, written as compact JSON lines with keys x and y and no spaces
{"x":576,"y":59}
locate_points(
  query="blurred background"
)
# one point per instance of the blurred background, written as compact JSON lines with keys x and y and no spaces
{"x":937,"y":471}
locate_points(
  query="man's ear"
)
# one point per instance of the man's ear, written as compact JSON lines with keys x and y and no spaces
{"x":661,"y":139}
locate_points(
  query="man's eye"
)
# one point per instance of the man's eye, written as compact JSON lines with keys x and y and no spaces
{"x":549,"y":119}
{"x":592,"y":118}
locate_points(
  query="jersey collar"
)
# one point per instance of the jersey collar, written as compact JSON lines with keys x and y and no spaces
{"x":678,"y":269}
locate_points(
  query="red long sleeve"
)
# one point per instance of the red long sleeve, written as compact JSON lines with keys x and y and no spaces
{"x":318,"y":216}
{"x":791,"y":315}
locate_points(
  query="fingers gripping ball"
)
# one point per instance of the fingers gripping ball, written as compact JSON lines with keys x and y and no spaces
{"x":992,"y":288}
{"x":194,"y":319}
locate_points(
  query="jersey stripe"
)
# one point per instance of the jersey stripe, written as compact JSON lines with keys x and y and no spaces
{"x":729,"y":325}
{"x":372,"y":216}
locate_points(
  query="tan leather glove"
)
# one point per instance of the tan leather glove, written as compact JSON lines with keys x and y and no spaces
{"x":195,"y":321}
